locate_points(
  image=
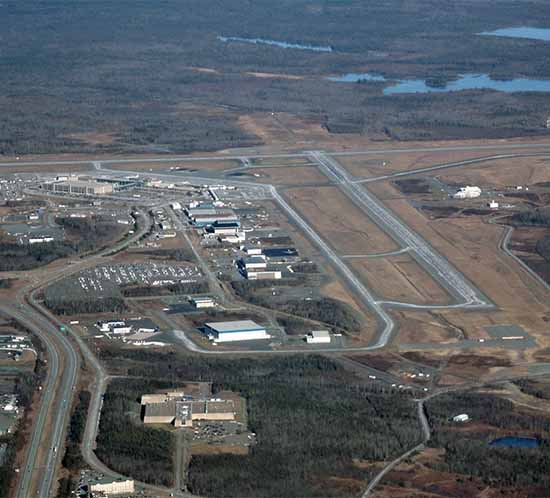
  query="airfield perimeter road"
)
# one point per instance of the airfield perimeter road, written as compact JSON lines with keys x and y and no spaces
{"x":58,"y":343}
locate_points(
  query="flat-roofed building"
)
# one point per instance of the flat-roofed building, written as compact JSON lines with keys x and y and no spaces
{"x":111,"y":486}
{"x":263,"y":275}
{"x":203,"y":302}
{"x":240,"y":330}
{"x":79,"y":187}
{"x":254,"y":263}
{"x":318,"y":337}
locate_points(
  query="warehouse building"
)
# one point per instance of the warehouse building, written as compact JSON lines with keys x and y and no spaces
{"x":111,"y":486}
{"x":182,"y":411}
{"x":203,"y":302}
{"x":253,"y":263}
{"x":241,"y":330}
{"x":263,"y":275}
{"x":318,"y":337}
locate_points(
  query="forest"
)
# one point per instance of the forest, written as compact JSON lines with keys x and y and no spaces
{"x":468,"y":452}
{"x":126,"y":445}
{"x":83,"y":78}
{"x":72,"y":459}
{"x":312,"y":418}
{"x":323,"y":309}
{"x":179,"y":288}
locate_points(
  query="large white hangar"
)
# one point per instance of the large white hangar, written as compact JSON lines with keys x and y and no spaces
{"x":241,"y":330}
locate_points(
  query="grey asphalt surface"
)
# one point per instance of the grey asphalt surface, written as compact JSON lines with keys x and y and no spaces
{"x":469,"y":295}
{"x":434,"y":263}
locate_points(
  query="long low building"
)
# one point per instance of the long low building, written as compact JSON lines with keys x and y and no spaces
{"x":79,"y":187}
{"x":241,"y":330}
{"x":182,"y":412}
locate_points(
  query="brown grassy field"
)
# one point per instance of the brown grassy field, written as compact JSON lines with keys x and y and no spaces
{"x":472,"y":246}
{"x":384,"y":163}
{"x":502,"y":173}
{"x":292,"y":175}
{"x":339,"y":221}
{"x":400,"y":278}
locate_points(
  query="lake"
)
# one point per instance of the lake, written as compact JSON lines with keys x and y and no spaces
{"x":520,"y":32}
{"x":471,"y":82}
{"x":515,"y":442}
{"x":464,"y":82}
{"x":356,"y":77}
{"x":275,"y":43}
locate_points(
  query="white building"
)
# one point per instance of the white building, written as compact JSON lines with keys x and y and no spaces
{"x":111,"y":486}
{"x":241,"y":330}
{"x":468,"y":193}
{"x":493,"y":205}
{"x":318,"y":337}
{"x":203,"y":302}
{"x":463,"y":417}
{"x":264,"y":275}
{"x":254,"y":263}
{"x":253,"y":250}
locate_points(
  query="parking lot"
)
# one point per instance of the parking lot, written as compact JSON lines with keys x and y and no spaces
{"x":152,"y":274}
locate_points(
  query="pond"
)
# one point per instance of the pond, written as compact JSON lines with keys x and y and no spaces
{"x":275,"y":43}
{"x":521,"y":32}
{"x":515,"y":442}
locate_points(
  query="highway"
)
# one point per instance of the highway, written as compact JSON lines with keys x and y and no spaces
{"x":59,"y":384}
{"x":37,"y":439}
{"x":58,"y":391}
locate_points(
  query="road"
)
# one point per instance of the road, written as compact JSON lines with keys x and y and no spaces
{"x":62,"y":351}
{"x":57,"y":392}
{"x":426,"y":434}
{"x":37,"y":440}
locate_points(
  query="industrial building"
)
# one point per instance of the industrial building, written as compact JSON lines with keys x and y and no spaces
{"x":111,"y":486}
{"x":241,"y":330}
{"x":253,"y":263}
{"x":252,"y":250}
{"x":318,"y":337}
{"x":263,"y":275}
{"x":203,"y":302}
{"x":181,"y":411}
{"x":79,"y":187}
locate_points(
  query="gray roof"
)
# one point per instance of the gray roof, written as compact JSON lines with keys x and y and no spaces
{"x":234,"y":326}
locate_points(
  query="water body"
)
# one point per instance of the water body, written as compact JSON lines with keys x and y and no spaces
{"x":275,"y":43}
{"x":515,"y":442}
{"x":356,"y":77}
{"x":471,"y":82}
{"x":465,"y":82}
{"x":521,"y":32}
